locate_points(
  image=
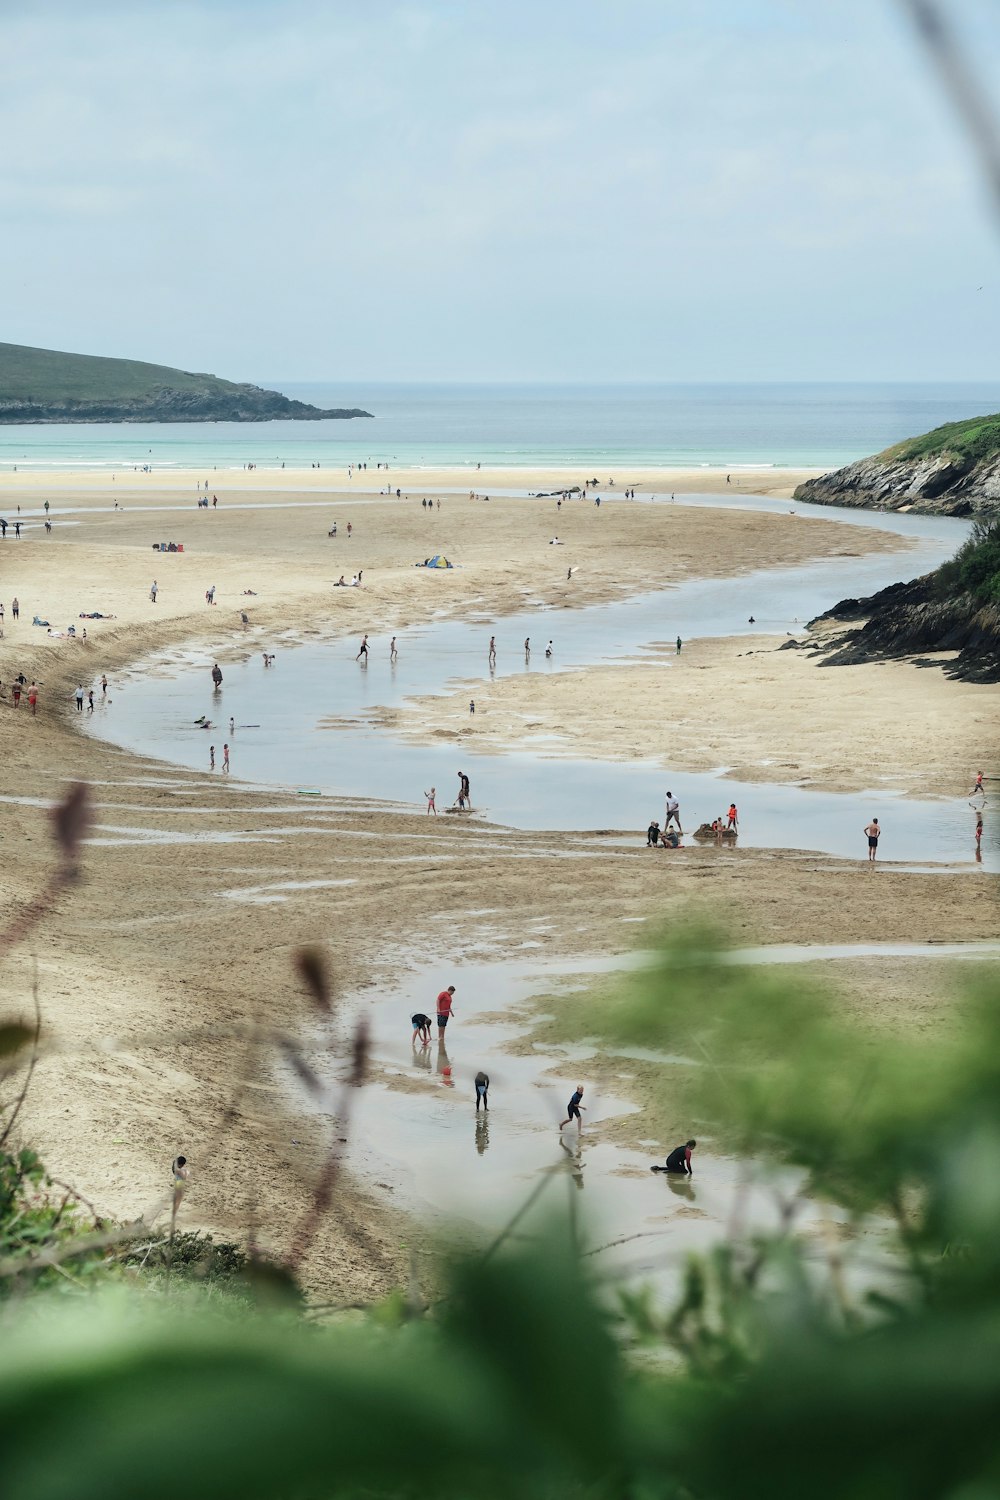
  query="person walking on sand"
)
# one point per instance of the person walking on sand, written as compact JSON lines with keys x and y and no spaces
{"x":472,"y":705}
{"x":211,"y":757}
{"x":363,"y":651}
{"x":225,"y":757}
{"x":444,"y":1010}
{"x":393,"y":653}
{"x":573,"y":1109}
{"x":15,"y":608}
{"x":79,"y":698}
{"x":978,"y":790}
{"x":104,"y":685}
{"x":15,"y":693}
{"x":431,"y":802}
{"x":493,"y":650}
{"x":152,"y":591}
{"x":33,"y":697}
{"x":732,"y":817}
{"x":482,"y":1091}
{"x":872,"y":830}
{"x":679,"y":645}
{"x":421,"y":1028}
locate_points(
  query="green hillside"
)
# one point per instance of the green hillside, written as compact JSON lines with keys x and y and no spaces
{"x":46,"y":375}
{"x":47,"y":385}
{"x":974,"y":439}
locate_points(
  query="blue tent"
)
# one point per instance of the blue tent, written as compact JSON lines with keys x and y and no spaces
{"x":437,"y":562}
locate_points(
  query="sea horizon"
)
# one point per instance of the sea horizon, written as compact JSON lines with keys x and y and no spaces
{"x":536,"y":424}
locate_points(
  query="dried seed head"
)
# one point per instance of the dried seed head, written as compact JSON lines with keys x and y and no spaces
{"x":312,"y":968}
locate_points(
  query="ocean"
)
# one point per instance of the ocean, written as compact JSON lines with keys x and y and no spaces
{"x":525,"y":425}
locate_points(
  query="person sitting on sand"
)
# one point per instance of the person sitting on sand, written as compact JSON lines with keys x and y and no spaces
{"x":670,"y":839}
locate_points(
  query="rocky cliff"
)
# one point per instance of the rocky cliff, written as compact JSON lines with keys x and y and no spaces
{"x":911,"y":619}
{"x":954,"y":471}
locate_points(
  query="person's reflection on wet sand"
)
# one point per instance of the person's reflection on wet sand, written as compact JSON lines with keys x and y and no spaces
{"x":422,"y":1058}
{"x":681,"y":1187}
{"x":482,"y":1133}
{"x":444,"y":1067}
{"x":575,"y":1163}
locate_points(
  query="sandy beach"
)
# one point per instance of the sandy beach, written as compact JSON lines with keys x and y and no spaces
{"x":156,"y":967}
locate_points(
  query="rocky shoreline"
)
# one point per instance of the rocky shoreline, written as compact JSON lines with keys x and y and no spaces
{"x":946,"y":484}
{"x":233,"y":403}
{"x":910,"y":620}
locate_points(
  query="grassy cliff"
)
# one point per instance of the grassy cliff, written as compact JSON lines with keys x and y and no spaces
{"x":974,"y":439}
{"x":46,"y":385}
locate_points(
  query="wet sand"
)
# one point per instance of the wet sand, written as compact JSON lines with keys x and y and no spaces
{"x":152,"y":967}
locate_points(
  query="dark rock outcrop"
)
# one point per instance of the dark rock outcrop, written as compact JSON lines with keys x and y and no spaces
{"x":216,"y":402}
{"x":945,"y":484}
{"x":910,"y":619}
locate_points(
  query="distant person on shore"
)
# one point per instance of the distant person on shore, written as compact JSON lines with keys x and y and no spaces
{"x":33,"y":697}
{"x":211,"y":757}
{"x":679,"y":1160}
{"x":444,"y":1010}
{"x":979,"y":832}
{"x":527,"y":647}
{"x":232,"y":724}
{"x":472,"y":705}
{"x":79,"y":698}
{"x":873,"y":831}
{"x":464,"y":791}
{"x":573,"y":1109}
{"x":225,"y":757}
{"x":217,"y":676}
{"x":493,"y":651}
{"x":363,"y":651}
{"x":732,"y":817}
{"x":548,"y":651}
{"x":245,"y":618}
{"x":15,"y":608}
{"x":90,"y":700}
{"x":431,"y":800}
{"x":393,"y":653}
{"x":679,"y":645}
{"x":421,"y":1028}
{"x":104,"y":685}
{"x":15,"y":693}
{"x":482,"y":1091}
{"x":153,"y":591}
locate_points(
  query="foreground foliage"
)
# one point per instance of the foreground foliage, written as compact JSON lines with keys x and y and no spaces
{"x":868,"y":1369}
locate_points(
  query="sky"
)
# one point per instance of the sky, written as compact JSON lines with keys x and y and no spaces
{"x":538,"y":190}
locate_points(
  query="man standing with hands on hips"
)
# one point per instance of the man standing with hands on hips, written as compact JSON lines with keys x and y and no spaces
{"x":444,"y":1010}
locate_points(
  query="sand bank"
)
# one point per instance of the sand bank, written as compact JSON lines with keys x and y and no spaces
{"x":197,"y":891}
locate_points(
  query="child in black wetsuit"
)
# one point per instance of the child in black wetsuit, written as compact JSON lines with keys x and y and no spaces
{"x":679,"y":1160}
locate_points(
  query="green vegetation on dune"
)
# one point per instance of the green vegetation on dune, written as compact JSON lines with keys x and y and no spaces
{"x":972,"y":440}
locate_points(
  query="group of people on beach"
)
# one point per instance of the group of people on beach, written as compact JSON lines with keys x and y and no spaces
{"x":678,"y":1160}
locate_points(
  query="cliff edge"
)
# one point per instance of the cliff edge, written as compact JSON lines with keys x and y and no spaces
{"x":952,"y":471}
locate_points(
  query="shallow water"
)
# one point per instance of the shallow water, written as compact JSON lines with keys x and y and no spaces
{"x":416,"y":1132}
{"x":154,"y":708}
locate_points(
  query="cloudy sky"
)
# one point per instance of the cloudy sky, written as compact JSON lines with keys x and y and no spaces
{"x":542,"y":189}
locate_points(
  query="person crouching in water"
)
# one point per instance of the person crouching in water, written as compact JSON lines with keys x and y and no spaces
{"x":679,"y":1160}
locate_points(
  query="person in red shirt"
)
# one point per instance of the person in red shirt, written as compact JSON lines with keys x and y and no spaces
{"x":444,"y":1010}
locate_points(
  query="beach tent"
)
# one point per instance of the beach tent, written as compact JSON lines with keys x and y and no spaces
{"x":437,"y":562}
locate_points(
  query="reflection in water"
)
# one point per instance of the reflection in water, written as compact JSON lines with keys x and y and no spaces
{"x":422,"y":1056}
{"x":680,"y":1185}
{"x":482,"y":1133}
{"x":575,"y":1163}
{"x":444,"y":1067}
